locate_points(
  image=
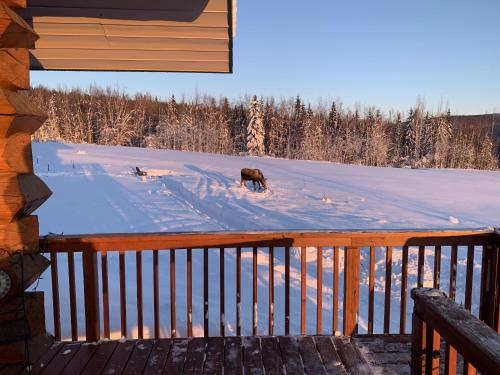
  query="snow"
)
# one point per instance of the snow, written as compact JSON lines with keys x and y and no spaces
{"x":95,"y":191}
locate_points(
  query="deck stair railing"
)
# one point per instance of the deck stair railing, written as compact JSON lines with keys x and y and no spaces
{"x":337,"y":259}
{"x":438,"y":319}
{"x":443,"y":330}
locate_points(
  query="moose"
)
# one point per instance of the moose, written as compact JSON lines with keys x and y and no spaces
{"x":254,"y":175}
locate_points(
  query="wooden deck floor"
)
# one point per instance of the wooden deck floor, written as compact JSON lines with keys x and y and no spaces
{"x":230,"y":355}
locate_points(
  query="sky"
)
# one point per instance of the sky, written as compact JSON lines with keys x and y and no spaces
{"x":385,"y":53}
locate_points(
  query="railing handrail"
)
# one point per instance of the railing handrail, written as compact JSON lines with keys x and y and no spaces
{"x":478,"y":343}
{"x":180,"y":240}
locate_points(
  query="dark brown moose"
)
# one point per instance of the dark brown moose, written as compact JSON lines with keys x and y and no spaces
{"x":254,"y":175}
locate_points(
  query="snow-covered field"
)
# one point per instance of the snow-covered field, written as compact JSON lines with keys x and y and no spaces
{"x":95,"y":191}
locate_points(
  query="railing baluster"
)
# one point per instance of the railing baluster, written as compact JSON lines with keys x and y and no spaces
{"x":436,"y":284}
{"x":271,"y":291}
{"x":156,"y":294}
{"x":351,"y":290}
{"x":451,"y":353}
{"x":138,"y":271}
{"x":91,"y":295}
{"x":469,"y":277}
{"x":303,"y":264}
{"x":319,"y":291}
{"x":287,"y":291}
{"x":335,"y":314}
{"x":255,"y":315}
{"x":72,"y":297}
{"x":123,"y":295}
{"x":388,"y":279}
{"x":55,"y":295}
{"x":189,"y":287}
{"x":417,"y":345}
{"x":468,"y":368}
{"x":432,"y":346}
{"x":453,"y":272}
{"x":105,"y":294}
{"x":222,"y":297}
{"x":450,"y":360}
{"x":437,"y":267}
{"x":420,"y":266}
{"x":371,"y":290}
{"x":238,"y":291}
{"x":205,"y":292}
{"x":404,"y":286}
{"x":173,"y":326}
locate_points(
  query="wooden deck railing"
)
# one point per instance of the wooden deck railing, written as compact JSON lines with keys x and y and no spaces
{"x":357,"y":248}
{"x":437,"y":318}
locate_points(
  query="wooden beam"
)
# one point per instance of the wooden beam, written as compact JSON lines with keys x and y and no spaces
{"x":14,"y":31}
{"x":14,"y":65}
{"x":478,"y":343}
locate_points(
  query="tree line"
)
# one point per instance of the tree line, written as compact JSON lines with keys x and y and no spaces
{"x":289,"y":128}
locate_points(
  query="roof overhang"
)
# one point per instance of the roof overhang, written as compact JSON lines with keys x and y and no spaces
{"x":132,"y":35}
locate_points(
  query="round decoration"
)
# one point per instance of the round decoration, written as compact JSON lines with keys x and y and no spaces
{"x":5,"y":284}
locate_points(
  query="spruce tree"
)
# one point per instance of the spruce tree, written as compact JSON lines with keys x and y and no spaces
{"x":255,"y":129}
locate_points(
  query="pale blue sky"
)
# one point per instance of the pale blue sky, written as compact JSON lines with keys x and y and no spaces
{"x":385,"y":53}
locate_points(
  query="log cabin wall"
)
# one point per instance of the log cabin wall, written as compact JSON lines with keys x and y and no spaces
{"x":22,"y":323}
{"x":132,"y":35}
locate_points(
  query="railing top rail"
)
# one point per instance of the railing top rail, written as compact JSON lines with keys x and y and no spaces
{"x":170,"y":240}
{"x":478,"y":343}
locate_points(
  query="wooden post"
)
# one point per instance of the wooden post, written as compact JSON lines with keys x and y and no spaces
{"x":21,"y":192}
{"x":91,"y":292}
{"x":490,"y":286}
{"x":351,"y":290}
{"x":417,"y":348}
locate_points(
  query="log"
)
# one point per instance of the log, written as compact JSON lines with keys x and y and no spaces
{"x":12,"y":322}
{"x":20,"y":235}
{"x":23,"y":270}
{"x":35,"y":312}
{"x":16,"y":352}
{"x":20,"y":195}
{"x":17,"y":114}
{"x":15,"y":153}
{"x":14,"y":31}
{"x":21,"y":123}
{"x":478,"y":343}
{"x":14,"y":68}
{"x":15,"y":103}
{"x":15,"y":3}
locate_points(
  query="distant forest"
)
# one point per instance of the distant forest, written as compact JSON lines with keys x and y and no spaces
{"x":291,"y":129}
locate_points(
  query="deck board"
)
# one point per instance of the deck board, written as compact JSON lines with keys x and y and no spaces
{"x":177,"y":357}
{"x":230,"y":355}
{"x":158,"y":357}
{"x":120,"y":357}
{"x":139,"y":357}
{"x":271,"y":356}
